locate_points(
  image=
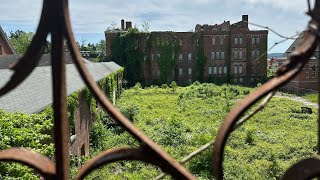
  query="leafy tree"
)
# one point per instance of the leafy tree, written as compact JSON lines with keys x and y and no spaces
{"x":145,"y":27}
{"x":20,"y":41}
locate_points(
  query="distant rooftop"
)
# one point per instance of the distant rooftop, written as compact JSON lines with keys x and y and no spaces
{"x":35,"y":93}
{"x":7,"y":60}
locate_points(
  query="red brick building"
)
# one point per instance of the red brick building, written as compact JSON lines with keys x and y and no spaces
{"x":233,"y":53}
{"x":5,"y":46}
{"x":307,"y":80}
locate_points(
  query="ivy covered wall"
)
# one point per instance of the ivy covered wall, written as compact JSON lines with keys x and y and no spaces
{"x":34,"y":131}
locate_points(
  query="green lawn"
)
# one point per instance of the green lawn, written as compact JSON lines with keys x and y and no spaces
{"x":313,"y":97}
{"x":182,"y":121}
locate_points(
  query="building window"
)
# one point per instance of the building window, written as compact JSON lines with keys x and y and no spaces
{"x":214,"y":70}
{"x":158,"y":73}
{"x":240,"y":69}
{"x":253,"y":53}
{"x":313,"y":71}
{"x":180,"y":42}
{"x":240,"y":54}
{"x":225,"y":69}
{"x":144,"y":58}
{"x":158,"y":55}
{"x":235,"y":40}
{"x":190,"y":81}
{"x":218,"y":55}
{"x":222,"y":55}
{"x":235,"y":54}
{"x":152,"y":57}
{"x":180,"y":57}
{"x":258,"y":54}
{"x":221,"y":40}
{"x":213,"y":40}
{"x":190,"y":56}
{"x":212,"y":55}
{"x":180,"y":72}
{"x":306,"y":72}
{"x":241,"y":80}
{"x":258,"y":40}
{"x":220,"y":70}
{"x":235,"y":70}
{"x":253,"y":40}
{"x":210,"y":70}
{"x":241,"y":40}
{"x":189,"y":71}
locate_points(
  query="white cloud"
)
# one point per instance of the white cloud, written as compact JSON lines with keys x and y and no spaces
{"x":285,"y":16}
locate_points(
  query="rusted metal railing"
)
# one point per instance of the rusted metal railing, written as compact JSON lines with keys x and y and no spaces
{"x":55,"y":20}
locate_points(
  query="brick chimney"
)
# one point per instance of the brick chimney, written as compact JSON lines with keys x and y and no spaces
{"x":122,"y":25}
{"x":245,"y":18}
{"x":128,"y":25}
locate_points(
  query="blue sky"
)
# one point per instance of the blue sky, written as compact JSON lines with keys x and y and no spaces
{"x":91,"y":18}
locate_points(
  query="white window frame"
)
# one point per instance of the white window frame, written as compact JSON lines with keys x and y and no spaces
{"x":240,"y":69}
{"x":222,"y":55}
{"x":210,"y":70}
{"x":217,"y":55}
{"x":189,"y":71}
{"x":235,"y":70}
{"x":213,"y":40}
{"x":253,"y":40}
{"x":221,"y":40}
{"x":258,"y":54}
{"x":225,"y":70}
{"x":215,"y":70}
{"x":212,"y":55}
{"x":189,"y":56}
{"x":258,"y":40}
{"x":235,"y":54}
{"x":220,"y":69}
{"x":236,"y":40}
{"x":240,"y":54}
{"x":180,"y":72}
{"x":180,"y":57}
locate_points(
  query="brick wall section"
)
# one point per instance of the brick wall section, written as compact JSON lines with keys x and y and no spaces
{"x":307,"y":80}
{"x":247,"y":70}
{"x":83,"y":122}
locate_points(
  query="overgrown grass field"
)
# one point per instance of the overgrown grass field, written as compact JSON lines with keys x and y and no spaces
{"x":182,"y":119}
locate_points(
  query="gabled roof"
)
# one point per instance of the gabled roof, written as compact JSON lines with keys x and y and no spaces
{"x":3,"y":35}
{"x":295,"y":44}
{"x":7,"y":60}
{"x":35,"y":93}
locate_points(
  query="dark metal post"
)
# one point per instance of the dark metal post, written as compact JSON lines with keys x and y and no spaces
{"x":61,"y":127}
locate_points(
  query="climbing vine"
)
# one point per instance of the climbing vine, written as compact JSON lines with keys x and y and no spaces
{"x":168,"y":48}
{"x":200,"y":58}
{"x":126,"y":51}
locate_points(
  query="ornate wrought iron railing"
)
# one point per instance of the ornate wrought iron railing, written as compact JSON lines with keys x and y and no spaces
{"x":55,"y":20}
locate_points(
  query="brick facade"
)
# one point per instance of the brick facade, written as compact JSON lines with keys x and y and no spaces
{"x":307,"y":80}
{"x":232,"y":53}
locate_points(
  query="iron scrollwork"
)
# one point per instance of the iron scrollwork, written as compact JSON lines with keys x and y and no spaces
{"x":55,"y":20}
